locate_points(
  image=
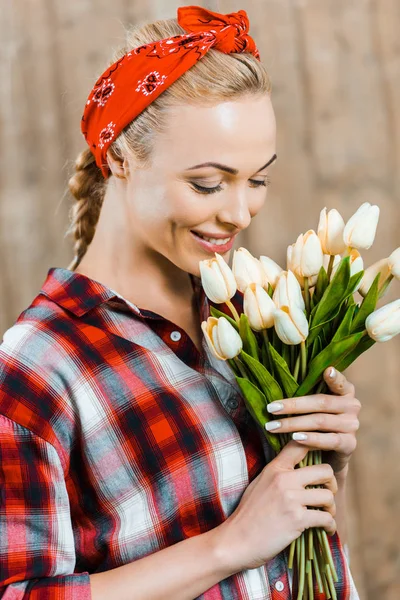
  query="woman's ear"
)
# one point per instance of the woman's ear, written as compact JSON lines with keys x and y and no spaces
{"x":118,"y":167}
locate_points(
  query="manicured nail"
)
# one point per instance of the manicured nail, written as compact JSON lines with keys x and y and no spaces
{"x":272,"y":425}
{"x":332,"y":373}
{"x":274,"y":406}
{"x":299,"y":436}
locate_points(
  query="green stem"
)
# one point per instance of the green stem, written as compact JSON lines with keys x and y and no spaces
{"x":269,"y":357}
{"x":384,"y":286}
{"x":291,"y":554}
{"x":240,"y":366}
{"x":297,"y":367}
{"x":317,"y":572}
{"x":233,"y":311}
{"x":303,"y":352}
{"x":307,"y":295}
{"x":330,"y":266}
{"x":302,"y":567}
{"x":331,"y":584}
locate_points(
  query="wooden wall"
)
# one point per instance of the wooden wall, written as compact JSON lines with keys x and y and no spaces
{"x":335,"y":68}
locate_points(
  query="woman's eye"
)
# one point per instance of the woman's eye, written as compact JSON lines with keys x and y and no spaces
{"x":211,"y":190}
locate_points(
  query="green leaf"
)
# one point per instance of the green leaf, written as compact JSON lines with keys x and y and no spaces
{"x":256,"y":404}
{"x":344,"y":328}
{"x":321,"y":285}
{"x":317,"y":347}
{"x":250,"y":344}
{"x":270,"y":290}
{"x":268,"y":385}
{"x":354,"y":281}
{"x":329,"y":356}
{"x":367,"y":306}
{"x":331,"y":300}
{"x":287,"y":380}
{"x":365,"y":344}
{"x":217,"y":313}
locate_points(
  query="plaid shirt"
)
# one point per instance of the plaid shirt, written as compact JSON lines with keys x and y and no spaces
{"x":118,"y":439}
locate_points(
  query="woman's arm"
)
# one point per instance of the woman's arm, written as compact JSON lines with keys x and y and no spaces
{"x":180,"y":572}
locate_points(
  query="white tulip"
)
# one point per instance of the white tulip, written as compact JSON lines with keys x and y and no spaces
{"x":381,"y":267}
{"x":291,"y":267}
{"x":356,"y":262}
{"x":288,"y":292}
{"x":394,"y":263}
{"x":258,"y":307}
{"x":217,"y":279}
{"x":384,"y":323}
{"x":271,"y":269}
{"x":306,"y":256}
{"x":330,"y":231}
{"x":247,"y":269}
{"x":291,"y":325}
{"x":222,"y":338}
{"x":360,"y":229}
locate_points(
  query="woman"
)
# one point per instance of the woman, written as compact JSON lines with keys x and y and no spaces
{"x":130,"y":467}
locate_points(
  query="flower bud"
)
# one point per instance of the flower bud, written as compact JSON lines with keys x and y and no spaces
{"x":217,"y":279}
{"x":394,"y":263}
{"x":360,"y":229}
{"x":384,"y":323}
{"x":330,"y":231}
{"x":222,"y":338}
{"x":288,"y":292}
{"x":306,"y":256}
{"x":291,"y":325}
{"x":356,"y":262}
{"x":291,"y":267}
{"x":258,"y":307}
{"x":381,"y":267}
{"x":247,"y":269}
{"x":271,"y":269}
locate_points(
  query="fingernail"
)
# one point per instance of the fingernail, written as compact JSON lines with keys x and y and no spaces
{"x":332,"y":373}
{"x":299,"y":436}
{"x":272,"y":425}
{"x":274,"y":406}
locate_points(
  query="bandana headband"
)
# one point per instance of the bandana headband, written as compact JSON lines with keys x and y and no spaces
{"x":131,"y":83}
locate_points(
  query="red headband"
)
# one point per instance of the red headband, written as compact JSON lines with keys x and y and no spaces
{"x":131,"y":83}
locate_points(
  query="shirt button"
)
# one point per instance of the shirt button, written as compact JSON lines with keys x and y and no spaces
{"x":175,"y":336}
{"x":232,"y":403}
{"x":279,"y":585}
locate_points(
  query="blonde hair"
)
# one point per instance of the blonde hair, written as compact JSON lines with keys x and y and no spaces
{"x":214,"y":78}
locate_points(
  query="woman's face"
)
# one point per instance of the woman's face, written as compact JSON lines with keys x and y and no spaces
{"x":180,"y":194}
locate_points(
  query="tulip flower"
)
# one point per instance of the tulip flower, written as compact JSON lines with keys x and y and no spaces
{"x":258,"y":307}
{"x":330,"y":232}
{"x":382,"y":267}
{"x":291,"y":325}
{"x":307,"y":256}
{"x":217,"y":279}
{"x":222,"y":338}
{"x":394,"y":263}
{"x":247,"y":269}
{"x":384,"y":323}
{"x":271,"y":269}
{"x":291,"y":267}
{"x":356,"y":262}
{"x":360,"y":229}
{"x":288,"y":292}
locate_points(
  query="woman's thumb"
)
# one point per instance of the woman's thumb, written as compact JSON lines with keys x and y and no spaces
{"x":291,"y":455}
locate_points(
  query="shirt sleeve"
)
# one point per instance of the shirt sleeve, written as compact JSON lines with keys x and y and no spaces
{"x":37,"y":551}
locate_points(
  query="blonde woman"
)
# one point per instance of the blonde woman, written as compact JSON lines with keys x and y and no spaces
{"x":130,"y":468}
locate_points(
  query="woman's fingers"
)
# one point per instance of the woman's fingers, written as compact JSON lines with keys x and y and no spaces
{"x":320,"y":518}
{"x":345,"y":443}
{"x":337,"y":382}
{"x":343,"y":423}
{"x":315,"y":403}
{"x":319,"y":497}
{"x":316,"y":475}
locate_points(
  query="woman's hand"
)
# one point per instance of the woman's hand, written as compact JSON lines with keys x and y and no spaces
{"x":336,"y":414}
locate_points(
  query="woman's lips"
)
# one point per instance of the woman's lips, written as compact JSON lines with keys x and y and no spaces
{"x":210,"y":247}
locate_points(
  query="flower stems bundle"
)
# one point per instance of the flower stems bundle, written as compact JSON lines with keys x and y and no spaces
{"x":295,"y":323}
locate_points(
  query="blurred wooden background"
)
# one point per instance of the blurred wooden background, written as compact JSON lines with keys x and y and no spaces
{"x":335,"y":68}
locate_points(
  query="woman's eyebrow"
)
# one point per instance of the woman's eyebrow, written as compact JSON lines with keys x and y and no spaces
{"x":228,"y":169}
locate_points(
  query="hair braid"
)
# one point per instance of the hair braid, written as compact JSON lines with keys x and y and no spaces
{"x":88,"y":187}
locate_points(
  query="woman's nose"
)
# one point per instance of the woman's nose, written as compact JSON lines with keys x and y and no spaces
{"x":237,"y":209}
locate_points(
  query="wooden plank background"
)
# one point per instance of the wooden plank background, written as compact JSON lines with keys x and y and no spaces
{"x":335,"y":68}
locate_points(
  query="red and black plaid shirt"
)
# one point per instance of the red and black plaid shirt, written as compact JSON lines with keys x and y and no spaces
{"x":117,"y":439}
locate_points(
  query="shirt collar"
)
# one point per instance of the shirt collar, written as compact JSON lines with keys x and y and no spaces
{"x":78,"y":293}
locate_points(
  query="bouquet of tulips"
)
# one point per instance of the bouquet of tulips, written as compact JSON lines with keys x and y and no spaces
{"x":295,"y":323}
